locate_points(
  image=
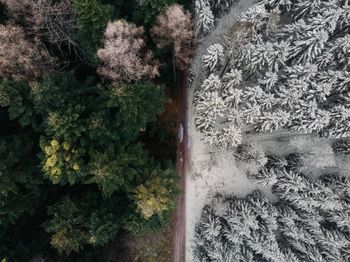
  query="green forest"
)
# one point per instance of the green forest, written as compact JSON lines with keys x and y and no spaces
{"x":88,"y":127}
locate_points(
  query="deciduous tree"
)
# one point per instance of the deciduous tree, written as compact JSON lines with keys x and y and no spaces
{"x":20,"y":58}
{"x":124,"y":57}
{"x":174,"y":27}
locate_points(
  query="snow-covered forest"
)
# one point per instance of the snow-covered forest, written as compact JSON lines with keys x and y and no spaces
{"x":270,"y":166}
{"x":310,"y":221}
{"x":284,"y":65}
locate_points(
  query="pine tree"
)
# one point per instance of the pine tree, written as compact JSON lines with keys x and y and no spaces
{"x":209,"y":106}
{"x":231,"y":136}
{"x":232,"y":79}
{"x":212,"y":84}
{"x":293,"y":229}
{"x":156,"y":196}
{"x":214,"y":57}
{"x":94,"y":223}
{"x":266,"y":177}
{"x":20,"y":184}
{"x":269,"y":80}
{"x":292,"y":72}
{"x":204,"y":17}
{"x":92,"y":18}
{"x":305,"y":49}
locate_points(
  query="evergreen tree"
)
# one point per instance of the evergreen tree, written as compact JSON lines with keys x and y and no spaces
{"x":204,"y":17}
{"x":304,"y":225}
{"x":75,"y":224}
{"x":291,"y":74}
{"x":92,"y":18}
{"x":20,"y":184}
{"x":214,"y":57}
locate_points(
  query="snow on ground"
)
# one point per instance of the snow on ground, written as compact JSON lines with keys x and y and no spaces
{"x":210,"y":170}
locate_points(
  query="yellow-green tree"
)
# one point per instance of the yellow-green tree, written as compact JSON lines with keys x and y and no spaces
{"x":155,"y":196}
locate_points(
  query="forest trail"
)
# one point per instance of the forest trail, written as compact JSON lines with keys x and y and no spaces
{"x":179,"y":217}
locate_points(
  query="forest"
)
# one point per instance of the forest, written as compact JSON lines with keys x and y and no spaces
{"x":105,"y":152}
{"x":270,"y":131}
{"x":88,"y":122}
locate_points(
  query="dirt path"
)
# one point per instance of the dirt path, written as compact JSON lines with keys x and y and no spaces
{"x":179,"y":217}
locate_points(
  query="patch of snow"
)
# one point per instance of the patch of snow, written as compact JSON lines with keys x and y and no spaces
{"x":181,"y":133}
{"x":189,"y":143}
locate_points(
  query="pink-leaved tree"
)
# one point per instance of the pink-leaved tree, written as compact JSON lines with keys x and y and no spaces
{"x":124,"y":57}
{"x":174,"y":27}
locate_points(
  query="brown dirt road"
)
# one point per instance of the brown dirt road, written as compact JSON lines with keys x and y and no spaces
{"x":179,"y":217}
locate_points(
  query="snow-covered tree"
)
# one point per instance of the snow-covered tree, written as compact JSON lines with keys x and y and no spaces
{"x":214,"y":56}
{"x":204,"y":17}
{"x":251,"y":157}
{"x":232,"y":78}
{"x":231,"y":136}
{"x":309,"y":222}
{"x":307,"y":48}
{"x":209,"y":106}
{"x":265,"y":56}
{"x":258,"y":16}
{"x":292,"y":71}
{"x":282,"y":231}
{"x":280,"y":4}
{"x":269,"y":81}
{"x":272,"y":121}
{"x":212,"y":84}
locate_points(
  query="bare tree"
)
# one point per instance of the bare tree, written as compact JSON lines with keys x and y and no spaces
{"x":49,"y":20}
{"x":174,"y":27}
{"x":20,"y":58}
{"x":124,"y":57}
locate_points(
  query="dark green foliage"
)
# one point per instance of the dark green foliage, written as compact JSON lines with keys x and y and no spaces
{"x":14,"y":97}
{"x":121,"y":8}
{"x":20,"y":184}
{"x":72,"y":150}
{"x":64,"y":107}
{"x":139,"y":103}
{"x":92,"y":18}
{"x":71,"y":109}
{"x":3,"y":15}
{"x":146,"y":13}
{"x":91,"y":119}
{"x":75,"y":223}
{"x":22,"y":192}
{"x":117,"y":168}
{"x":148,"y":10}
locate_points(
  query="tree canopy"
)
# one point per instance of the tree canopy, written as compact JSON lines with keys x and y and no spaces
{"x":75,"y":171}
